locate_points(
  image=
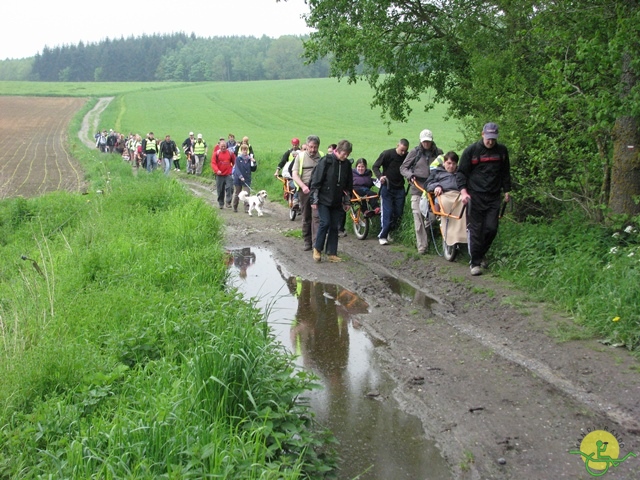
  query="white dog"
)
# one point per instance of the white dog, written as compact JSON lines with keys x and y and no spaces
{"x":254,"y":201}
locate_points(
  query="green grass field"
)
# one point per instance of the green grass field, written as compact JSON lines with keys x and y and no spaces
{"x":270,"y":113}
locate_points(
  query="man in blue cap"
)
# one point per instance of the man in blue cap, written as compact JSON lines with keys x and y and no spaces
{"x":485,"y":176}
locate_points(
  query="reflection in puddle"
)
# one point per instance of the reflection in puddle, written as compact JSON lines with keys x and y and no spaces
{"x":320,"y":323}
{"x":409,"y":293}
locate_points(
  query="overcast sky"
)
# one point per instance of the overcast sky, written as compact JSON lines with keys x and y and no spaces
{"x":29,"y":25}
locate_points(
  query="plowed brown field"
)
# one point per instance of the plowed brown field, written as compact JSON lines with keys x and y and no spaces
{"x":34,"y":153}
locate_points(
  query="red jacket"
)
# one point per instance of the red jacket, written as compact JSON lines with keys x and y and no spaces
{"x":222,"y":162}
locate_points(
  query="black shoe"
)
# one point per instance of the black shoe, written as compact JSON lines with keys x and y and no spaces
{"x":308,"y":248}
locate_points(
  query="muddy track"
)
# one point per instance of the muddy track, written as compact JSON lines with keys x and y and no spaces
{"x":498,"y":394}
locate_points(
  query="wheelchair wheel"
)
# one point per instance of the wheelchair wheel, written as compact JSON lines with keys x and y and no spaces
{"x":450,"y":252}
{"x":292,"y":214}
{"x":360,"y":222}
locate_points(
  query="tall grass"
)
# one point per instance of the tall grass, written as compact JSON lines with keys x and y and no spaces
{"x":124,"y":353}
{"x":588,"y":270}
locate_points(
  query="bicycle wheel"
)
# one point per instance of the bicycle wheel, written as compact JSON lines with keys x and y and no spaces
{"x":360,"y":222}
{"x":450,"y":252}
{"x":292,"y":211}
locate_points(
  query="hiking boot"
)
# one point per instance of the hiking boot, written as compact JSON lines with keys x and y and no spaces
{"x":308,"y":248}
{"x":383,"y":241}
{"x":334,"y":258}
{"x":476,"y":270}
{"x":316,"y":255}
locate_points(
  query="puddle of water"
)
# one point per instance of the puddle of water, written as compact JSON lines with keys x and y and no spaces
{"x":319,"y":322}
{"x":409,"y":293}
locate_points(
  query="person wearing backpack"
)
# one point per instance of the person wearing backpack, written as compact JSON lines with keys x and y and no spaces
{"x":416,"y":167}
{"x":101,"y":142}
{"x":222,"y":162}
{"x":485,"y":173}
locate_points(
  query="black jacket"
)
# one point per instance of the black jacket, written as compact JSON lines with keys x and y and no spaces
{"x":330,"y":179}
{"x":485,"y":170}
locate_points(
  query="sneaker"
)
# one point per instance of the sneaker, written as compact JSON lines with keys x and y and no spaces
{"x":389,"y":238}
{"x":316,"y":255}
{"x":476,"y":270}
{"x":177,"y":169}
{"x":334,"y":258}
{"x":383,"y":241}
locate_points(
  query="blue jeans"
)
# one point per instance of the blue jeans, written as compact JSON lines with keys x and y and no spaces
{"x":167,"y":165}
{"x":392,"y":208}
{"x":330,"y":221}
{"x":152,"y":161}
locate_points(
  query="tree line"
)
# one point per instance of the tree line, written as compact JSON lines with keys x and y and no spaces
{"x":175,"y":57}
{"x":561,"y":79}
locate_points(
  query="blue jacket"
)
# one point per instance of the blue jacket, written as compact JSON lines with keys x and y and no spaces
{"x":242,"y":169}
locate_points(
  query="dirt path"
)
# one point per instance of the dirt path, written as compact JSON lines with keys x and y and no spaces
{"x":91,"y":122}
{"x":500,"y":397}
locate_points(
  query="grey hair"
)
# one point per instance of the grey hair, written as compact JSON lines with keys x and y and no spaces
{"x":313,"y":139}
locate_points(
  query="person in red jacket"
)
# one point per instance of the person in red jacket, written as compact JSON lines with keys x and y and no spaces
{"x":222,"y":162}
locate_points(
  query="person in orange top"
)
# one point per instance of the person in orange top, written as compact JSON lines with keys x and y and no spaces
{"x":222,"y":162}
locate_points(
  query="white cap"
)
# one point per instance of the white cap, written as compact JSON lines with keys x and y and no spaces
{"x":426,"y":136}
{"x":199,"y":135}
{"x":190,"y":134}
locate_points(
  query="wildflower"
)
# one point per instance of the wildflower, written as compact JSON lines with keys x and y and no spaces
{"x":615,"y":234}
{"x":613,"y":250}
{"x":615,"y":319}
{"x":629,"y":229}
{"x":631,"y":254}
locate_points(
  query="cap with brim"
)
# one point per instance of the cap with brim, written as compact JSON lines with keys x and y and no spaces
{"x":199,"y":135}
{"x":490,"y":131}
{"x":426,"y":136}
{"x":191,"y":134}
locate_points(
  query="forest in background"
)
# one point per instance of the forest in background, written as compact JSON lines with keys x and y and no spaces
{"x":177,"y":57}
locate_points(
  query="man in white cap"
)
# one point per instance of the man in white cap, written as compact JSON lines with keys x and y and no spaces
{"x":416,"y":168}
{"x":485,"y":173}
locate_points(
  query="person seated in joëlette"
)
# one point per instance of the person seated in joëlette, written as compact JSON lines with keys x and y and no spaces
{"x":443,"y":177}
{"x":362,"y":184}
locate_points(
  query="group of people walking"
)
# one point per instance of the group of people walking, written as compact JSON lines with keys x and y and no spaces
{"x":325,"y":182}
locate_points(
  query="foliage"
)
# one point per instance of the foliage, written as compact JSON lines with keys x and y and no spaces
{"x":588,"y":270}
{"x":173,"y":58}
{"x":556,"y":76}
{"x":124,"y":352}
